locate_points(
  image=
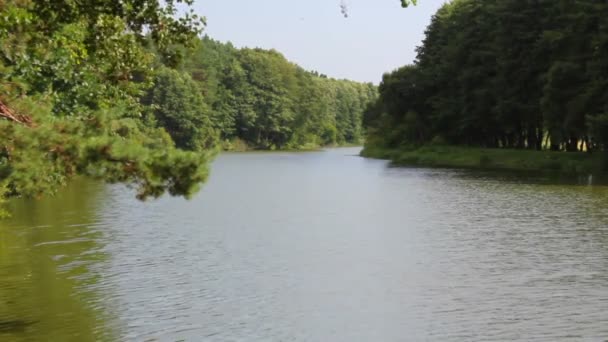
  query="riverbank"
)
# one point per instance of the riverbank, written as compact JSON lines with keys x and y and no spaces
{"x":239,"y":145}
{"x":490,"y":159}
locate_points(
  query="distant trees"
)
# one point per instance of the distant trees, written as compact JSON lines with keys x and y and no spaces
{"x":268,"y":102}
{"x":508,"y":73}
{"x":177,"y":105}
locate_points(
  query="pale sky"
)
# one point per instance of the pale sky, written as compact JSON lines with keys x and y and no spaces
{"x":378,"y":36}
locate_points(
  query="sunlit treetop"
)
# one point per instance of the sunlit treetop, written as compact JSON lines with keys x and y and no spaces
{"x":406,"y":3}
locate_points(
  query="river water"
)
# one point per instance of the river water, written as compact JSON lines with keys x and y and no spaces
{"x":321,"y":246}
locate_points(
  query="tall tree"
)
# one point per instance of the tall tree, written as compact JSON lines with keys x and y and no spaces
{"x":503,"y":74}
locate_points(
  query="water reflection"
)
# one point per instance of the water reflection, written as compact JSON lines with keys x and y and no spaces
{"x":50,"y":258}
{"x":518,"y":177}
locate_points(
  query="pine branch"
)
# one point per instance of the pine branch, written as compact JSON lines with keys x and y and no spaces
{"x":9,"y":114}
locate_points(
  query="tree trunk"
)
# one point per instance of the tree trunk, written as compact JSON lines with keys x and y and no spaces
{"x":532,"y":142}
{"x":572,"y":144}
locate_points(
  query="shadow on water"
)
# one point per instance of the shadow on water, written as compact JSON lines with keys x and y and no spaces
{"x":14,"y":326}
{"x":51,"y":256}
{"x":518,"y":177}
{"x":541,"y":178}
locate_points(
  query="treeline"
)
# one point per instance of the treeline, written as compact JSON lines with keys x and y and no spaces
{"x":258,"y":97}
{"x":502,"y":74}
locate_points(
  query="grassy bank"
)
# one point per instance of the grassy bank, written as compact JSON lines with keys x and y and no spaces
{"x":238,"y":145}
{"x":490,"y":159}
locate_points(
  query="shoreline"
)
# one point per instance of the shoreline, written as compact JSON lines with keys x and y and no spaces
{"x":304,"y":149}
{"x":568,"y":163}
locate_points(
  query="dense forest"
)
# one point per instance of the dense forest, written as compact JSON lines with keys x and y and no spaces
{"x":258,"y":97}
{"x":129,"y":92}
{"x":502,"y":74}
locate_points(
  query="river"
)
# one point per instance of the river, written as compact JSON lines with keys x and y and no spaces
{"x":320,"y":246}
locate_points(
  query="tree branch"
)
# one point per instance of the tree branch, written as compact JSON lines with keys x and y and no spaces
{"x":8,"y":114}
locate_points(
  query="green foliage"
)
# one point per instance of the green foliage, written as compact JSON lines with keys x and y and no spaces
{"x":407,"y":3}
{"x":38,"y":159}
{"x":501,"y":74}
{"x":260,"y":98}
{"x":177,"y":105}
{"x":75,"y":72}
{"x":492,"y":159}
{"x":3,"y":212}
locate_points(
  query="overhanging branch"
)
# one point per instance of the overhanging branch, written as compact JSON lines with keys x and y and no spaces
{"x":9,"y":114}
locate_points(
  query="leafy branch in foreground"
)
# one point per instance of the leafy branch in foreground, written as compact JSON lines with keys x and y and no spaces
{"x":72,"y":75}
